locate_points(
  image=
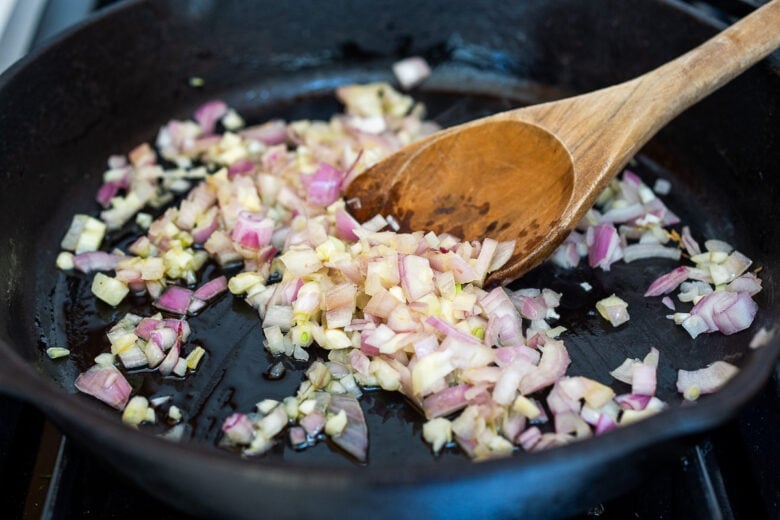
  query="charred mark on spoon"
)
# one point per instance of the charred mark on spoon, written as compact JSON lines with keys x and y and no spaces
{"x":404,"y":219}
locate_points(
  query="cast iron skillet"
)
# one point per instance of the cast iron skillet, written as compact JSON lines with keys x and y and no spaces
{"x":109,"y":84}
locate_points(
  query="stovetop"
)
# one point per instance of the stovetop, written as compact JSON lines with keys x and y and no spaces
{"x":730,"y":473}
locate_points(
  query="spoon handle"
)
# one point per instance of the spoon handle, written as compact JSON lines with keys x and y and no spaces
{"x":677,"y":85}
{"x":603,"y":129}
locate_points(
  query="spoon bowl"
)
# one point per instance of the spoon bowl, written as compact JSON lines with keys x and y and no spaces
{"x":527,"y":162}
{"x":530,"y":174}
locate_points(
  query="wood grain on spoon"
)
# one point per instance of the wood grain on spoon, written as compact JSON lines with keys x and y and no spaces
{"x":531,"y":174}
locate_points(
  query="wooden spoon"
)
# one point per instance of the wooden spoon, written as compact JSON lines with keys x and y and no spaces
{"x":531,"y":174}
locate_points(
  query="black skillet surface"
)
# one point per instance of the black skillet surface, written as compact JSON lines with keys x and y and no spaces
{"x":110,"y":85}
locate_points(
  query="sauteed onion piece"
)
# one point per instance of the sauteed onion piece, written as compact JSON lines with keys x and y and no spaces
{"x":704,"y":380}
{"x":107,"y":384}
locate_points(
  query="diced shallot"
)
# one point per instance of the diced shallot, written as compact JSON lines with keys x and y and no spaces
{"x":726,"y":311}
{"x":446,"y":401}
{"x":530,"y":438}
{"x":747,"y":283}
{"x":552,"y":366}
{"x":416,"y":277}
{"x":449,"y":330}
{"x":705,"y":380}
{"x":604,"y":424}
{"x":643,"y":381}
{"x":209,"y":113}
{"x":313,"y":423}
{"x":354,"y":438}
{"x":323,"y":187}
{"x":411,"y":71}
{"x":95,"y":261}
{"x":271,"y":133}
{"x":346,"y":225}
{"x":688,"y":242}
{"x":633,"y":401}
{"x":169,"y":363}
{"x":614,"y":310}
{"x":252,"y":231}
{"x":641,"y":251}
{"x":211,"y":288}
{"x":107,"y":384}
{"x":668,"y":282}
{"x":604,"y":245}
{"x":238,"y":429}
{"x":175,"y":299}
{"x":503,"y":314}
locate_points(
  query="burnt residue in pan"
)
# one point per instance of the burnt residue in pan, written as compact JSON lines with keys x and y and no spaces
{"x":232,"y":375}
